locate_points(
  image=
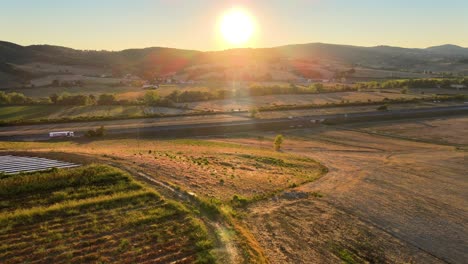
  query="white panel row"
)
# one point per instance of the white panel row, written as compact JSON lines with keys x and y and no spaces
{"x":14,"y":164}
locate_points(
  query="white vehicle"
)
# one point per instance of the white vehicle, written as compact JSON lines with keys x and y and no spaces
{"x":61,"y":134}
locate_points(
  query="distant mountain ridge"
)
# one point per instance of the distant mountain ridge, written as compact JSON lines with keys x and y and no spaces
{"x":449,"y":49}
{"x":153,"y":61}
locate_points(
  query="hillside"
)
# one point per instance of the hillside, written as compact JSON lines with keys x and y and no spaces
{"x":20,"y":64}
{"x":449,"y":50}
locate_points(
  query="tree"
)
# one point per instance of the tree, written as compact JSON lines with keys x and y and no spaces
{"x":174,"y":96}
{"x":294,"y":88}
{"x":383,"y":107}
{"x":253,"y":112}
{"x":92,"y":99}
{"x":67,"y":99}
{"x":4,"y":99}
{"x":54,"y":98}
{"x":101,"y":131}
{"x":319,"y":87}
{"x":79,"y":99}
{"x":107,"y":99}
{"x":98,"y":132}
{"x":278,"y":142}
{"x":151,"y":98}
{"x":17,"y":98}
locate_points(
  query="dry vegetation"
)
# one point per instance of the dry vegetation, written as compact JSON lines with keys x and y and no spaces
{"x":435,"y":130}
{"x":246,"y":103}
{"x":211,"y":169}
{"x":36,"y":113}
{"x":392,"y":194}
{"x":224,"y":177}
{"x":384,"y":200}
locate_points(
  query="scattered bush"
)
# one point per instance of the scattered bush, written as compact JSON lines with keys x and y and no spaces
{"x":98,"y":132}
{"x":238,"y":201}
{"x":253,"y":112}
{"x":278,"y":142}
{"x":106,"y":99}
{"x":14,"y":99}
{"x":383,"y":107}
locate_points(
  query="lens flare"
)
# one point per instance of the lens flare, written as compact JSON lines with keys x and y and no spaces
{"x":237,"y":27}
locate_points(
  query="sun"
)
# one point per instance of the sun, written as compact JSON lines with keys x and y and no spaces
{"x":237,"y":27}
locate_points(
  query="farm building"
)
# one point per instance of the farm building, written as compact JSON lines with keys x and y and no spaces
{"x":458,"y":86}
{"x":150,"y":86}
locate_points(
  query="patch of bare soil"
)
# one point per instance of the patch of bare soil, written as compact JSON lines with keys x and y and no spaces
{"x":384,"y":200}
{"x":314,"y":231}
{"x":445,"y":130}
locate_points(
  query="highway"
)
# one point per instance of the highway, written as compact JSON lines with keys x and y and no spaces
{"x":216,"y":124}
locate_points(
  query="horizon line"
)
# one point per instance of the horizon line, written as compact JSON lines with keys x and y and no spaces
{"x":235,"y":48}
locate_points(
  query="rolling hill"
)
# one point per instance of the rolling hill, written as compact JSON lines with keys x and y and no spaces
{"x":314,"y":60}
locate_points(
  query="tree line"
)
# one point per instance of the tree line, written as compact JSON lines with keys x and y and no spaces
{"x":152,"y":98}
{"x":414,"y":83}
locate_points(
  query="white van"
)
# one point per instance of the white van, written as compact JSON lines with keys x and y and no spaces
{"x":61,"y":134}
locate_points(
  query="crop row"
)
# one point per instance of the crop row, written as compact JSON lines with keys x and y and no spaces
{"x":111,"y":233}
{"x":92,"y":214}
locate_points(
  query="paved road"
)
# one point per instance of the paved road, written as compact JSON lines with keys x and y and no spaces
{"x":214,"y":124}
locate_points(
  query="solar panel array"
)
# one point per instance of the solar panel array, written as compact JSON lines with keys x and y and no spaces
{"x":14,"y":164}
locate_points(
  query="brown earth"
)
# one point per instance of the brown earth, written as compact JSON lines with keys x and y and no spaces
{"x":443,"y":131}
{"x":385,"y":200}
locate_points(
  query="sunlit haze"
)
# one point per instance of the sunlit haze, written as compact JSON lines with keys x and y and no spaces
{"x":234,"y":131}
{"x":120,"y":24}
{"x":237,"y":27}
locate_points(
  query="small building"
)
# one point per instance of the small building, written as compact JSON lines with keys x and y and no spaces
{"x":458,"y":86}
{"x":150,"y":86}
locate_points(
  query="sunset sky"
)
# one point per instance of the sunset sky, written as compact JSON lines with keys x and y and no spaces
{"x":122,"y":24}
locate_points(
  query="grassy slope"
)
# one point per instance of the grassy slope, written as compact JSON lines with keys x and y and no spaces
{"x":93,"y":214}
{"x":216,"y":172}
{"x":206,"y":167}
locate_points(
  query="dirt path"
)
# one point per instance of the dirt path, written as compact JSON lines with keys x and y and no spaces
{"x":225,"y":249}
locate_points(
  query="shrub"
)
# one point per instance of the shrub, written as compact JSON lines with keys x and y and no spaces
{"x":98,"y":132}
{"x":106,"y":99}
{"x":253,"y":112}
{"x":383,"y":107}
{"x":278,"y":142}
{"x":238,"y":201}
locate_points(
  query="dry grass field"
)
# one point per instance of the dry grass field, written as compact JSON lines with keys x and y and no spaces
{"x":384,"y":200}
{"x":387,"y":193}
{"x":348,"y":109}
{"x":246,"y":103}
{"x":444,"y":131}
{"x":211,"y":169}
{"x":225,"y":175}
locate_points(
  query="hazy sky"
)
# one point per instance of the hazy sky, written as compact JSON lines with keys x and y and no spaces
{"x":121,"y":24}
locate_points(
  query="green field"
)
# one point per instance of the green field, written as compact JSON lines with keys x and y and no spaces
{"x":94,"y":214}
{"x":95,"y":89}
{"x":36,"y":113}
